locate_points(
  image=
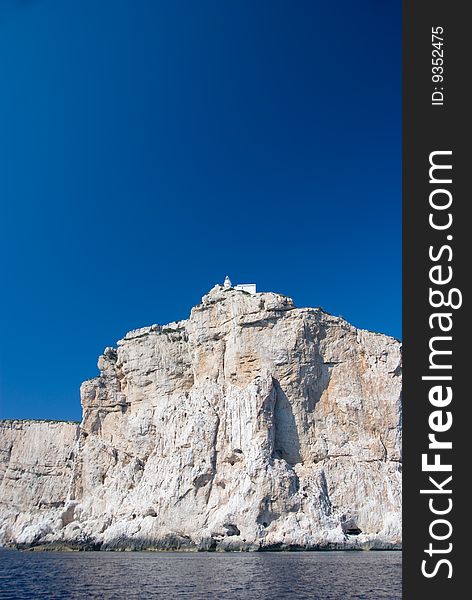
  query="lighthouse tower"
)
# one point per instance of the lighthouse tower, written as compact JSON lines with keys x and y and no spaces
{"x":227,"y":283}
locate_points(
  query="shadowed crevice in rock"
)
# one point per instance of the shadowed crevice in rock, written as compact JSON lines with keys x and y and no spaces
{"x":286,"y":438}
{"x":350,"y":525}
{"x":324,"y":498}
{"x":231,"y":529}
{"x":317,"y":380}
{"x":202,"y":480}
{"x":267,"y":514}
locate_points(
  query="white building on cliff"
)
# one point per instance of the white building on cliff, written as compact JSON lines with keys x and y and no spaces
{"x":250,"y":288}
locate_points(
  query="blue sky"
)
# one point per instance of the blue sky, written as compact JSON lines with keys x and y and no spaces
{"x":147,"y":149}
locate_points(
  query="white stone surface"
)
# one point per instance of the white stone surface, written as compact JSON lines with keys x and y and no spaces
{"x":250,"y":288}
{"x":252,"y":424}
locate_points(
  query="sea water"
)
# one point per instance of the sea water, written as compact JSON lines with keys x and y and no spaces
{"x":229,"y":576}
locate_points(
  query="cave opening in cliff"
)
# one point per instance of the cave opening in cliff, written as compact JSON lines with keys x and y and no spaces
{"x":353,"y":531}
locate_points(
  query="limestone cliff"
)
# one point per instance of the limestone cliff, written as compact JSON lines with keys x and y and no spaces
{"x":251,"y":425}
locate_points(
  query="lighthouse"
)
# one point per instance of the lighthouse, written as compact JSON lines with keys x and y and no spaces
{"x":249,"y":288}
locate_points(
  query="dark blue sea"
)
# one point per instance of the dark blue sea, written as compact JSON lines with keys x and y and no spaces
{"x":231,"y":576}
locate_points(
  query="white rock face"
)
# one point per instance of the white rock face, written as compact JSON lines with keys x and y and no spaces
{"x":36,"y":466}
{"x":251,"y":425}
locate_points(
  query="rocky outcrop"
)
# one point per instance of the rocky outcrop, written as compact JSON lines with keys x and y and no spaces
{"x":36,"y":466}
{"x":251,"y":425}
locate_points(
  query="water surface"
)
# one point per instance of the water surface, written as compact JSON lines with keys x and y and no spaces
{"x":174,"y":575}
